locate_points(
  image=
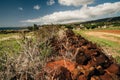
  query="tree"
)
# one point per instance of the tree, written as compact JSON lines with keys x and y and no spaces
{"x":68,"y":26}
{"x":33,"y":28}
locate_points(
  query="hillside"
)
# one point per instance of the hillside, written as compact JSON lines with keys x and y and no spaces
{"x":111,"y":19}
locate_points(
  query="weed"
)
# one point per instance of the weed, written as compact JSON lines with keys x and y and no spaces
{"x":117,"y":59}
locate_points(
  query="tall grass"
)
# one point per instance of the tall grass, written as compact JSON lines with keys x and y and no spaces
{"x":32,"y":57}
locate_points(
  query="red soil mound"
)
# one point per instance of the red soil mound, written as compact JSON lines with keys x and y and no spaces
{"x":61,"y":63}
{"x":86,"y":60}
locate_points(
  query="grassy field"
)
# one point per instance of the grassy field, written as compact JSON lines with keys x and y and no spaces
{"x":7,"y":35}
{"x":110,"y":47}
{"x":10,"y":47}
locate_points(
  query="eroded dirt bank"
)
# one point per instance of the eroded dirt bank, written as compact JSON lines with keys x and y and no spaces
{"x":105,"y":35}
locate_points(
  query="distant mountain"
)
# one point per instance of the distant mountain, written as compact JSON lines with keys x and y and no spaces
{"x":111,"y":19}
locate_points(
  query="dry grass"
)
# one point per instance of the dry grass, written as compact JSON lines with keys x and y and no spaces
{"x":31,"y":59}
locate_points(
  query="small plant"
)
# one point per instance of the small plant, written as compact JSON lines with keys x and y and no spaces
{"x":117,"y":58}
{"x":68,"y":26}
{"x":33,"y":28}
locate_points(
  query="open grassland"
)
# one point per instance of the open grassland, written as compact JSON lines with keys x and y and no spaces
{"x":10,"y":46}
{"x":10,"y":42}
{"x":2,"y":35}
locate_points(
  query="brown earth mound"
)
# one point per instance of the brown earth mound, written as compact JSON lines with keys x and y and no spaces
{"x":81,"y":60}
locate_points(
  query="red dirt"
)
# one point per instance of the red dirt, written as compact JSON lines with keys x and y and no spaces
{"x":110,"y":31}
{"x":85,"y":60}
{"x":61,"y":63}
{"x":105,"y":35}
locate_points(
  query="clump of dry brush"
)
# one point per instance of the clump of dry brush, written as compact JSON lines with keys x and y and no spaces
{"x":31,"y":59}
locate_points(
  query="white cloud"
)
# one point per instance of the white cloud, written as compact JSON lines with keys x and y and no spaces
{"x":20,"y":8}
{"x":36,"y":7}
{"x":75,"y":2}
{"x":85,"y":13}
{"x":50,"y":2}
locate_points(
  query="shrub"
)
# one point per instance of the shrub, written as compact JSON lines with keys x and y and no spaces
{"x":68,"y":26}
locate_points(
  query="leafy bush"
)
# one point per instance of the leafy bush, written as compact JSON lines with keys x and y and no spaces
{"x":68,"y":26}
{"x":118,"y":59}
{"x":33,"y":28}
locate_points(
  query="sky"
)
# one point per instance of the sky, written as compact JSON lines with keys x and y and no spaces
{"x":17,"y":13}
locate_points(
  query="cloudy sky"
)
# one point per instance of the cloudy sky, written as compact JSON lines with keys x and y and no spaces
{"x":27,"y":12}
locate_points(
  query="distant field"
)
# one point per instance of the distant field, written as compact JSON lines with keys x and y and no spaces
{"x":10,"y":43}
{"x":10,"y":46}
{"x":7,"y":35}
{"x":109,"y":40}
{"x":110,"y":31}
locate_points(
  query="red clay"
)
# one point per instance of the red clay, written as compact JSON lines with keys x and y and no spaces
{"x":82,"y":60}
{"x":110,"y":31}
{"x":61,"y":63}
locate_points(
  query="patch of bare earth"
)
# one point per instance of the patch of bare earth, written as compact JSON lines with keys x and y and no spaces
{"x":12,"y":37}
{"x":111,"y":35}
{"x":108,"y":35}
{"x":110,"y":31}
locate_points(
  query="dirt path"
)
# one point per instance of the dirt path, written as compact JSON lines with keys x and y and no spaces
{"x":105,"y":35}
{"x":12,"y":37}
{"x":110,"y":31}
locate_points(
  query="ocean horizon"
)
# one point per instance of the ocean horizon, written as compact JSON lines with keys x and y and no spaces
{"x":12,"y":28}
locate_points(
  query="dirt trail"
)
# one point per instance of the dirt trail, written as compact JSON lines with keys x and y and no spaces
{"x":105,"y":35}
{"x":12,"y":37}
{"x":110,"y":31}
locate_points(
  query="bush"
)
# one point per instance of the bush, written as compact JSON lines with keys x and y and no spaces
{"x":118,"y":59}
{"x":33,"y":28}
{"x":68,"y":26}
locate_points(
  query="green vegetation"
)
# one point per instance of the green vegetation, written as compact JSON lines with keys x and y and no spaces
{"x":7,"y":35}
{"x":109,"y":28}
{"x":33,"y":28}
{"x":69,"y":26}
{"x":104,"y":25}
{"x":26,"y":55}
{"x":117,"y":59}
{"x":9,"y":46}
{"x":90,"y":26}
